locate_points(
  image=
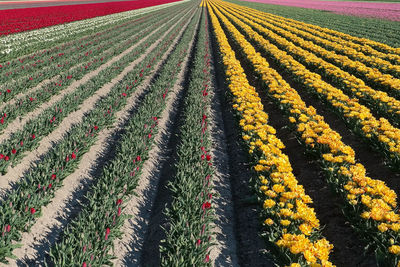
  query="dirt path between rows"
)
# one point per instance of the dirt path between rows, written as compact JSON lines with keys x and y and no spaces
{"x":48,"y":227}
{"x":128,"y":250}
{"x":250,"y":247}
{"x":225,"y":251}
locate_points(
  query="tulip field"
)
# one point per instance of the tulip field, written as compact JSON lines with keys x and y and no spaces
{"x":196,"y":133}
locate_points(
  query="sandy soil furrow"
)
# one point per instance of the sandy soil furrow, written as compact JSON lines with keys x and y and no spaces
{"x":127,"y":249}
{"x":50,"y":225}
{"x":224,"y":252}
{"x":19,"y":122}
{"x":14,"y":173}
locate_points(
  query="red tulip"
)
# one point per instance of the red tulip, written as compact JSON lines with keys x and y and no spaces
{"x":207,"y":258}
{"x":6,"y":158}
{"x":138,"y":158}
{"x":8,"y":229}
{"x":206,"y":205}
{"x":84,"y":264}
{"x":107,"y":233}
{"x":119,"y":201}
{"x":33,"y":211}
{"x":53,"y":176}
{"x":13,"y":151}
{"x":208,"y":157}
{"x":73,"y":156}
{"x":8,"y":91}
{"x":33,"y":136}
{"x":96,"y":128}
{"x":119,"y":211}
{"x":1,"y":156}
{"x":50,"y":185}
{"x":67,"y":159}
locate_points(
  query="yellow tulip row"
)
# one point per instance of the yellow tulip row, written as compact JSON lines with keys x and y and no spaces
{"x":359,"y":117}
{"x":388,"y":106}
{"x":386,"y":81}
{"x":285,"y":202}
{"x":372,"y":202}
{"x":376,"y":59}
{"x":366,"y":53}
{"x":363,"y":45}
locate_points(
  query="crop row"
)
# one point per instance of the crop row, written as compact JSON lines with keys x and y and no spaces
{"x":379,"y":134}
{"x":290,"y":225}
{"x":335,"y":37}
{"x":377,"y":34}
{"x":37,"y":188}
{"x":371,"y":63}
{"x":369,"y":203}
{"x":190,"y":215}
{"x":87,"y":240}
{"x":364,"y":45}
{"x":381,"y":102}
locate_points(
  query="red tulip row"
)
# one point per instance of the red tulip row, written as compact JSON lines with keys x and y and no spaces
{"x":190,"y":216}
